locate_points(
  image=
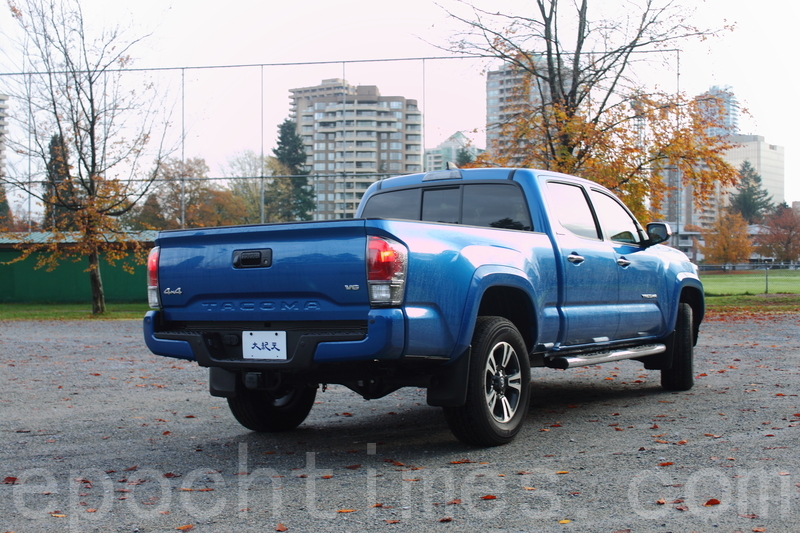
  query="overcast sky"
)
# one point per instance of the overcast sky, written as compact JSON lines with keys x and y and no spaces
{"x":222,"y":108}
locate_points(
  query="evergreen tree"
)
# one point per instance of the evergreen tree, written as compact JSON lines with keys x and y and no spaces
{"x":750,"y":200}
{"x":59,"y":194}
{"x":463,"y":157}
{"x":6,"y":216}
{"x":291,"y":154}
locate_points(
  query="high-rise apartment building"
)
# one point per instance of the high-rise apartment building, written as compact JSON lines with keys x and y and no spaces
{"x":448,"y":150}
{"x":503,"y":91}
{"x":730,"y":110}
{"x":767,"y":159}
{"x":353,"y":136}
{"x":3,"y":132}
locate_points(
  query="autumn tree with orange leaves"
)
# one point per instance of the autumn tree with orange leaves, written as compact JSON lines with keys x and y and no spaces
{"x":107,"y":153}
{"x":779,"y":238}
{"x":575,"y":107}
{"x":727,"y":242}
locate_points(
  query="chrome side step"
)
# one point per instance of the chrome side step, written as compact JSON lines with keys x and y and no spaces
{"x":596,"y":358}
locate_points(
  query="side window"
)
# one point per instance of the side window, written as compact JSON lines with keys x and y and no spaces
{"x":617,"y":224}
{"x":495,"y":206}
{"x":572,"y":209}
{"x":441,"y":205}
{"x":404,"y":205}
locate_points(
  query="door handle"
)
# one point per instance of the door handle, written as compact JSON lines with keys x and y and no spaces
{"x":623,"y":262}
{"x":575,"y":259}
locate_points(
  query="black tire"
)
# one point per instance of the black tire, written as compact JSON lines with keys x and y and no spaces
{"x":268,"y":412}
{"x":498,"y":386}
{"x":681,"y":375}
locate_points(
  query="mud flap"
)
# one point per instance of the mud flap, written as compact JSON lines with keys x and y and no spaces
{"x":448,"y":387}
{"x":221,"y":382}
{"x":662,"y":361}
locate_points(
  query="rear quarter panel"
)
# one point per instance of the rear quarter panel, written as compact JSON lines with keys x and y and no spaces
{"x":451,"y":266}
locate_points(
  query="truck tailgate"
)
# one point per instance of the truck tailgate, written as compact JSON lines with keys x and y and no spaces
{"x":316,"y":270}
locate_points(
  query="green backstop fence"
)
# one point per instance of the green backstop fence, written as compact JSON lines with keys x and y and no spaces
{"x":68,"y":283}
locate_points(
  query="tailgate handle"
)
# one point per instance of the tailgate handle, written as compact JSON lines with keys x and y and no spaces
{"x":252,"y":258}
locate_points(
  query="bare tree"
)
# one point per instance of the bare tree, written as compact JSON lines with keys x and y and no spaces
{"x":75,"y":91}
{"x":267,"y":199}
{"x":570,"y":101}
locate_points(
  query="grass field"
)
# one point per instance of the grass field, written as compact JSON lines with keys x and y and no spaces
{"x":61,"y":311}
{"x":751,"y":282}
{"x":732,"y":292}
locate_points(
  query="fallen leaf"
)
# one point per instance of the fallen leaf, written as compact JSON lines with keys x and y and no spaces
{"x":454,"y":502}
{"x":712,"y":501}
{"x":666,"y":464}
{"x":564,"y":521}
{"x":446,"y":519}
{"x":681,"y":508}
{"x":10,"y":481}
{"x":346,"y":511}
{"x":130,"y":468}
{"x":563,"y":472}
{"x":170,"y":475}
{"x":187,"y":527}
{"x":489,"y":497}
{"x":281,"y":527}
{"x":353,"y":467}
{"x":392,"y":521}
{"x":662,"y":501}
{"x":759,"y":529}
{"x":529,"y":488}
{"x":752,"y":516}
{"x":327,"y":476}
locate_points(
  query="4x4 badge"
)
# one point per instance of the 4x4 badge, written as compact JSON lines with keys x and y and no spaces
{"x":171,"y":291}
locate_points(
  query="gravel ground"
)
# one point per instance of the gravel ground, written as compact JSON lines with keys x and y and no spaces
{"x":97,"y":434}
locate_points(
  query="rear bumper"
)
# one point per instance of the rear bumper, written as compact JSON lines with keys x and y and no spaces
{"x":382,"y":338}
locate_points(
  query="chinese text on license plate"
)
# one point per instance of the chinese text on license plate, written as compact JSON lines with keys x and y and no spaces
{"x":264,"y":345}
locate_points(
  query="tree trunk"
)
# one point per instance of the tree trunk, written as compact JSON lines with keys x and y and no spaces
{"x":96,"y":281}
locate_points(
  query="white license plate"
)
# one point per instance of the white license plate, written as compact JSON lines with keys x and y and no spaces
{"x":264,"y":345}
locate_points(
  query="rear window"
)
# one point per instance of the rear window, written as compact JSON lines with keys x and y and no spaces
{"x":404,"y":205}
{"x":488,"y":205}
{"x":495,"y":206}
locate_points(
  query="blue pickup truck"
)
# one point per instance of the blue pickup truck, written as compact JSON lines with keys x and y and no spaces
{"x":456,"y":281}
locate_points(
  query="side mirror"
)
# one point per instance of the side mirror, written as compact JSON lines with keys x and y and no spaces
{"x":658,"y":232}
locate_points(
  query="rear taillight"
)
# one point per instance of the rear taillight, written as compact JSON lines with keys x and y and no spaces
{"x":387,"y":261}
{"x":152,"y":278}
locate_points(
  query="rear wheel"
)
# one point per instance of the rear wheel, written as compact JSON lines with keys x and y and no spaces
{"x":681,"y":375}
{"x":498,"y":386}
{"x":267,"y":412}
